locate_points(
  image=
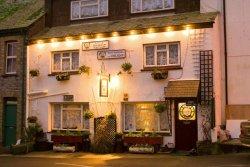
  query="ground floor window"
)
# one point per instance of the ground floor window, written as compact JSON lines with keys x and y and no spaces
{"x":69,"y":116}
{"x":143,"y":117}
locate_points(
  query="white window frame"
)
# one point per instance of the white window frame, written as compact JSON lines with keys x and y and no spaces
{"x":61,"y":119}
{"x":61,"y":55}
{"x":79,"y":18}
{"x":163,"y":3}
{"x":134,"y":119}
{"x":155,"y":54}
{"x":10,"y":57}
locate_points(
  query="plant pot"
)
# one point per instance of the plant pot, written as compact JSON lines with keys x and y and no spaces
{"x":34,"y":73}
{"x":62,"y":77}
{"x":159,"y":75}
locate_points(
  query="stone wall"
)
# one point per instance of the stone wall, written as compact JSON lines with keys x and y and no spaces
{"x":11,"y":85}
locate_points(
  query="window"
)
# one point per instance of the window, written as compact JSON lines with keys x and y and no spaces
{"x":142,"y":116}
{"x":69,"y":116}
{"x":163,"y":54}
{"x":11,"y":56}
{"x":138,"y":6}
{"x":65,"y":61}
{"x":83,"y":9}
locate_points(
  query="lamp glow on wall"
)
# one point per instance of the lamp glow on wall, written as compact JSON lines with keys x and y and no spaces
{"x":104,"y":82}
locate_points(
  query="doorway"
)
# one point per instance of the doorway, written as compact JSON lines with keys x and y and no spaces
{"x":186,"y":133}
{"x":10,"y":112}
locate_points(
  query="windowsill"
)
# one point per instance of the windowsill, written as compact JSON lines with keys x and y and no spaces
{"x":158,"y":133}
{"x":167,"y":68}
{"x":9,"y":75}
{"x":69,"y":72}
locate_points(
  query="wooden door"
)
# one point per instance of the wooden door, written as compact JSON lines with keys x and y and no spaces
{"x":185,"y":126}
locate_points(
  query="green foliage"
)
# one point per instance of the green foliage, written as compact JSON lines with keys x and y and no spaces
{"x":160,"y":107}
{"x":112,"y":115}
{"x":88,"y":115}
{"x":84,"y":69}
{"x":62,"y":76}
{"x":32,"y":119}
{"x":32,"y":130}
{"x":22,"y":148}
{"x":126,"y":67}
{"x":71,"y":133}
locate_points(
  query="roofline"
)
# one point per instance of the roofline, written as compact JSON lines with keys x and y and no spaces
{"x":15,"y":31}
{"x":124,"y":33}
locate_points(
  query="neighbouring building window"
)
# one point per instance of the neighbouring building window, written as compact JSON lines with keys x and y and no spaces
{"x":11,"y":57}
{"x":163,"y":54}
{"x":83,"y":9}
{"x":143,"y":117}
{"x":65,"y":61}
{"x":138,"y":6}
{"x":69,"y":116}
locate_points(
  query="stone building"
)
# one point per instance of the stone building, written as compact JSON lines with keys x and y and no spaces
{"x":18,"y":21}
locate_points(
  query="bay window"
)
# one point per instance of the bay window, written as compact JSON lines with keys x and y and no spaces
{"x":65,"y":61}
{"x":162,"y":54}
{"x":138,"y":6}
{"x":69,"y":116}
{"x":11,"y":57}
{"x":143,"y":117}
{"x":83,"y":9}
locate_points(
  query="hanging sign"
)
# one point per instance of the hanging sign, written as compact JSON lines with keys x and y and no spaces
{"x":111,"y":54}
{"x":95,"y":45}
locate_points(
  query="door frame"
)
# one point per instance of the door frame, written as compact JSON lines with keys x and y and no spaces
{"x":5,"y":99}
{"x":179,"y":100}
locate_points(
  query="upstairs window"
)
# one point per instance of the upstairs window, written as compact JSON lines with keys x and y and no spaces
{"x":162,"y":54}
{"x":83,"y":9}
{"x":138,"y":6}
{"x":11,"y":56}
{"x":65,"y":61}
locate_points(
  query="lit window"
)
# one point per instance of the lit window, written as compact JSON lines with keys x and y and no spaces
{"x":83,"y":9}
{"x":138,"y":6}
{"x":65,"y":61}
{"x":163,"y":54}
{"x":11,"y":57}
{"x":69,"y":116}
{"x":143,"y":117}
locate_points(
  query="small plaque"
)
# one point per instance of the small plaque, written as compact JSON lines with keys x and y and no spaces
{"x":96,"y":45}
{"x":111,"y":54}
{"x":69,"y":98}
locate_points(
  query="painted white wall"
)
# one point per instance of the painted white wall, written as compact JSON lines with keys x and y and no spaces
{"x":140,"y":86}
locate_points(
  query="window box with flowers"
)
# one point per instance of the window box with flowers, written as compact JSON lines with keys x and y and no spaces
{"x":63,"y":76}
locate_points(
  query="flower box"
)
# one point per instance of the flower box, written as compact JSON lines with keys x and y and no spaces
{"x":141,"y":149}
{"x":143,"y":140}
{"x":63,"y":148}
{"x":57,"y":139}
{"x":63,"y":77}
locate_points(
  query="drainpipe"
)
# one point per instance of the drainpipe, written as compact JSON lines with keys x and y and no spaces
{"x":225,"y":51}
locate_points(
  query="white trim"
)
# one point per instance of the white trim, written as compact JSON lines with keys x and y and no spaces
{"x":7,"y":57}
{"x":98,"y":8}
{"x":131,"y":9}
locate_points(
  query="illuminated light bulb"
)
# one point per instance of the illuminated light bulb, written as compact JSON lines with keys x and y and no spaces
{"x":115,"y":34}
{"x":54,"y":43}
{"x":169,"y":32}
{"x":151,"y":33}
{"x":40,"y":44}
{"x":69,"y":41}
{"x":133,"y":35}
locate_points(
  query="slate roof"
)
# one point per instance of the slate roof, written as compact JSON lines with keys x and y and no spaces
{"x":182,"y":88}
{"x":21,"y":14}
{"x":127,"y":24}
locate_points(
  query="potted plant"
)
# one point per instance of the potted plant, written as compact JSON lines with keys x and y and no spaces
{"x":119,"y":147}
{"x":84,"y":69}
{"x":62,"y":77}
{"x":32,"y":119}
{"x":126,"y":67}
{"x":160,"y":107}
{"x":34,"y":73}
{"x":88,"y":115}
{"x":159,"y":75}
{"x":112,"y":115}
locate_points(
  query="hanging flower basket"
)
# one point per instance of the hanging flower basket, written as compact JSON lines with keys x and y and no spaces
{"x":84,"y":70}
{"x":63,"y":77}
{"x":126,"y":67}
{"x":111,"y":116}
{"x":34,"y":73}
{"x":88,"y":115}
{"x":159,"y":75}
{"x":32,"y":119}
{"x":160,"y":107}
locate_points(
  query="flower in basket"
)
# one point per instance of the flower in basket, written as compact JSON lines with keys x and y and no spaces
{"x":159,"y":75}
{"x":84,"y":69}
{"x":88,"y":115}
{"x":34,"y":73}
{"x":62,"y":77}
{"x":160,"y":107}
{"x":126,"y":67}
{"x":32,"y":119}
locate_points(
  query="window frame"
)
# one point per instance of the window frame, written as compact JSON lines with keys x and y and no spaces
{"x":141,"y":11}
{"x":61,"y":58}
{"x":10,"y":57}
{"x":134,"y":119}
{"x":155,"y":54}
{"x":61,"y":116}
{"x":80,"y":18}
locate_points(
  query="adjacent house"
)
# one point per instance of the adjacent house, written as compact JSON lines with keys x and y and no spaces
{"x":18,"y":21}
{"x":174,"y":48}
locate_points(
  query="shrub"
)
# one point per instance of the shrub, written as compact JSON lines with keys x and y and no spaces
{"x":32,"y":119}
